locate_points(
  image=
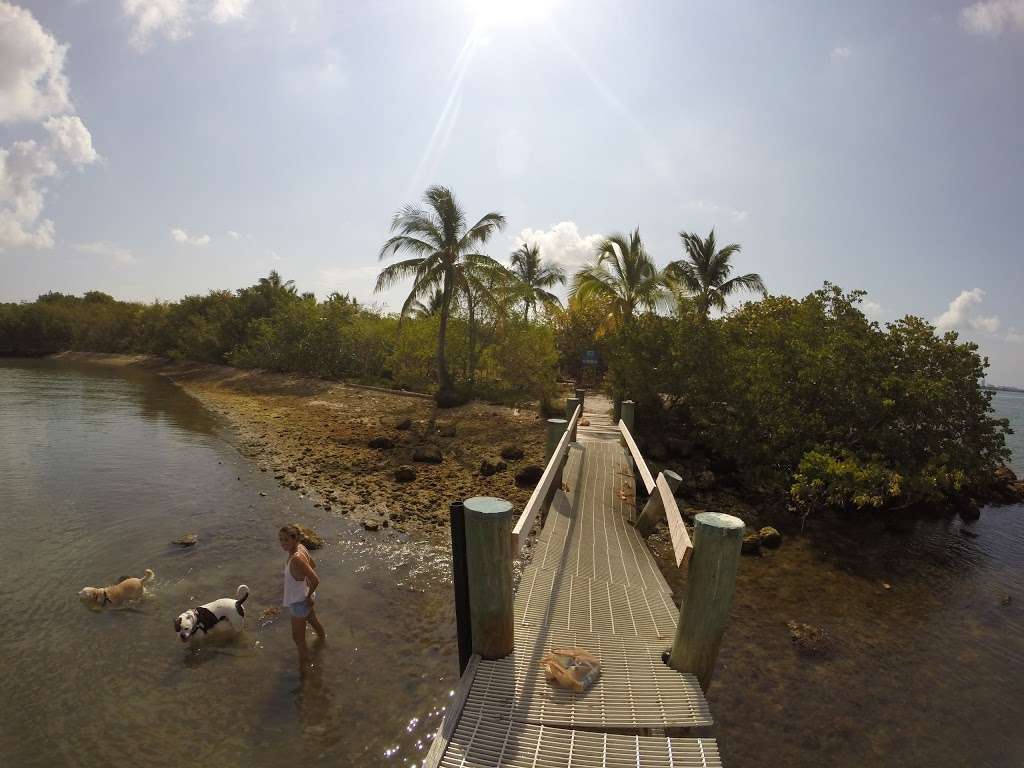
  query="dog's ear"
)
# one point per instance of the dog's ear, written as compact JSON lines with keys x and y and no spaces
{"x":177,"y":624}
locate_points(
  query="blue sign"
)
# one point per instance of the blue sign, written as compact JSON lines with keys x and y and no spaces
{"x":590,"y":357}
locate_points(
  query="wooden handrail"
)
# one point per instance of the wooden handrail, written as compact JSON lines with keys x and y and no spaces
{"x":638,"y":459}
{"x":681,"y":544}
{"x":543,"y":490}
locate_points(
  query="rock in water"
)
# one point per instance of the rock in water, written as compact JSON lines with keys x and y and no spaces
{"x":809,"y":639}
{"x":491,"y":465}
{"x":770,"y":537}
{"x":968,"y":510}
{"x":427,"y":453}
{"x":309,"y":538}
{"x":512,"y":452}
{"x":188,"y":540}
{"x":381,"y":443}
{"x":371,"y":525}
{"x":751,"y":544}
{"x":529,"y":476}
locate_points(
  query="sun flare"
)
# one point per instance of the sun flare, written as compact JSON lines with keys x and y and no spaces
{"x":498,"y":12}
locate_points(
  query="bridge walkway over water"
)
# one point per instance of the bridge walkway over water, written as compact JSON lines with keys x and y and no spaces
{"x":592,"y":583}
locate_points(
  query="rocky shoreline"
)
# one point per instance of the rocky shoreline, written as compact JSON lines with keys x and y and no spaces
{"x":384,"y":459}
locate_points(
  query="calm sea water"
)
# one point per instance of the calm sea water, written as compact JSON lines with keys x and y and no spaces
{"x":100,"y":469}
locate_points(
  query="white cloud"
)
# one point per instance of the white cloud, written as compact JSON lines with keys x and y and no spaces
{"x":234,"y":235}
{"x":273,"y":255}
{"x":1015,"y":337}
{"x":992,"y":17}
{"x":34,"y":88}
{"x":70,"y":139}
{"x":872,"y":309}
{"x":962,"y":314}
{"x":32,"y":80}
{"x":562,"y":244}
{"x":110,"y":250}
{"x":224,"y":11}
{"x":175,"y":19}
{"x":183,"y":237}
{"x":840,"y":53}
{"x":736,"y":215}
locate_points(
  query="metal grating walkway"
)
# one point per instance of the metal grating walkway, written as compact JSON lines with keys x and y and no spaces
{"x":592,"y":583}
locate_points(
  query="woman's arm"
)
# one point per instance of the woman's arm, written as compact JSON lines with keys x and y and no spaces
{"x":307,"y":573}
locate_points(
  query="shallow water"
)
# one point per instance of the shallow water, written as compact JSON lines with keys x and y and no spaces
{"x":100,"y":469}
{"x":927,"y":673}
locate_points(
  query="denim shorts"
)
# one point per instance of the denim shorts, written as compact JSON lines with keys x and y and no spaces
{"x":301,"y":609}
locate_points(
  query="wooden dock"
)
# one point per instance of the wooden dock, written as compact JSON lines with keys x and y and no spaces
{"x":592,"y":582}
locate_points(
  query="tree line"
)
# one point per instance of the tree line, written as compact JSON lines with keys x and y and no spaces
{"x":805,"y":399}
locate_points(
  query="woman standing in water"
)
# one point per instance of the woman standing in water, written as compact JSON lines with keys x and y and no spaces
{"x":300,"y":583}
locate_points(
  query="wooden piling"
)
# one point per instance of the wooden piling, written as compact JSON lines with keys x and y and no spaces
{"x":580,"y":395}
{"x":654,"y":510}
{"x":628,"y":414}
{"x":488,"y":523}
{"x":709,"y":589}
{"x":556,"y":428}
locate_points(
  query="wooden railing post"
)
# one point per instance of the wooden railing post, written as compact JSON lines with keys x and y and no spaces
{"x":616,"y":409}
{"x":710,"y":584}
{"x":655,"y":507}
{"x":489,"y":571}
{"x":556,"y":428}
{"x":570,"y":409}
{"x":580,"y":395}
{"x":628,"y":414}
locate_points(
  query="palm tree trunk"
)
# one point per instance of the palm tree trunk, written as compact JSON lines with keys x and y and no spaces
{"x":471,"y":377}
{"x":444,"y":380}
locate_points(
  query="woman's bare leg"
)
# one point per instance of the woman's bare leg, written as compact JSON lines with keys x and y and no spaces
{"x":314,"y":622}
{"x":299,"y":636}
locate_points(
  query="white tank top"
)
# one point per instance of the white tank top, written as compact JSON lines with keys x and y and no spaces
{"x":294,"y":589}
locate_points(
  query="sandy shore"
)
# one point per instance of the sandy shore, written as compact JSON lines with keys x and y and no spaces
{"x":313,"y":436}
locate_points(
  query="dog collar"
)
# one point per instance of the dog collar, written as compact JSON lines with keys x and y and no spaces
{"x":106,"y":600}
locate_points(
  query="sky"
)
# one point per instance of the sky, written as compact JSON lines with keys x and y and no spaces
{"x":156,"y":148}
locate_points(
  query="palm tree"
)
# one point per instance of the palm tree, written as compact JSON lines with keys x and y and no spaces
{"x":442,"y":246}
{"x":535,"y":277}
{"x":623,"y":277}
{"x":428,"y":308}
{"x":705,"y":273}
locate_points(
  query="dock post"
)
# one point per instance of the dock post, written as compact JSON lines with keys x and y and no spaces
{"x":580,"y":395}
{"x":709,"y":588}
{"x":460,"y":582}
{"x":489,"y":571}
{"x":570,"y":409}
{"x":556,"y":428}
{"x":616,"y":409}
{"x":654,"y":510}
{"x":628,"y":415}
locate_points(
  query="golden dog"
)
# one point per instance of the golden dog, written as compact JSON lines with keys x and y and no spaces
{"x":129,"y":588}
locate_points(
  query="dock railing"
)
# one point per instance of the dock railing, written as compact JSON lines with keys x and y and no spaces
{"x":561,"y":434}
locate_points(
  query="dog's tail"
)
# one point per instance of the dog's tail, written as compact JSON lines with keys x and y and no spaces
{"x":148,"y":575}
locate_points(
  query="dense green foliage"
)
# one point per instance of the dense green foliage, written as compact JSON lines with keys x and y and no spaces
{"x":270,"y":326}
{"x":810,"y":397}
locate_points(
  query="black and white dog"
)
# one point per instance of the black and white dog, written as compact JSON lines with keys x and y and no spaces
{"x":212,"y":616}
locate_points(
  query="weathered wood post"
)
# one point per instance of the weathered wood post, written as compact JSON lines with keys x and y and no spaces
{"x":570,"y":409}
{"x":628,"y":415}
{"x":489,"y":571}
{"x":460,"y":582}
{"x":580,"y":395}
{"x":709,"y":588}
{"x":556,"y":428}
{"x":616,"y":409}
{"x":654,"y":510}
